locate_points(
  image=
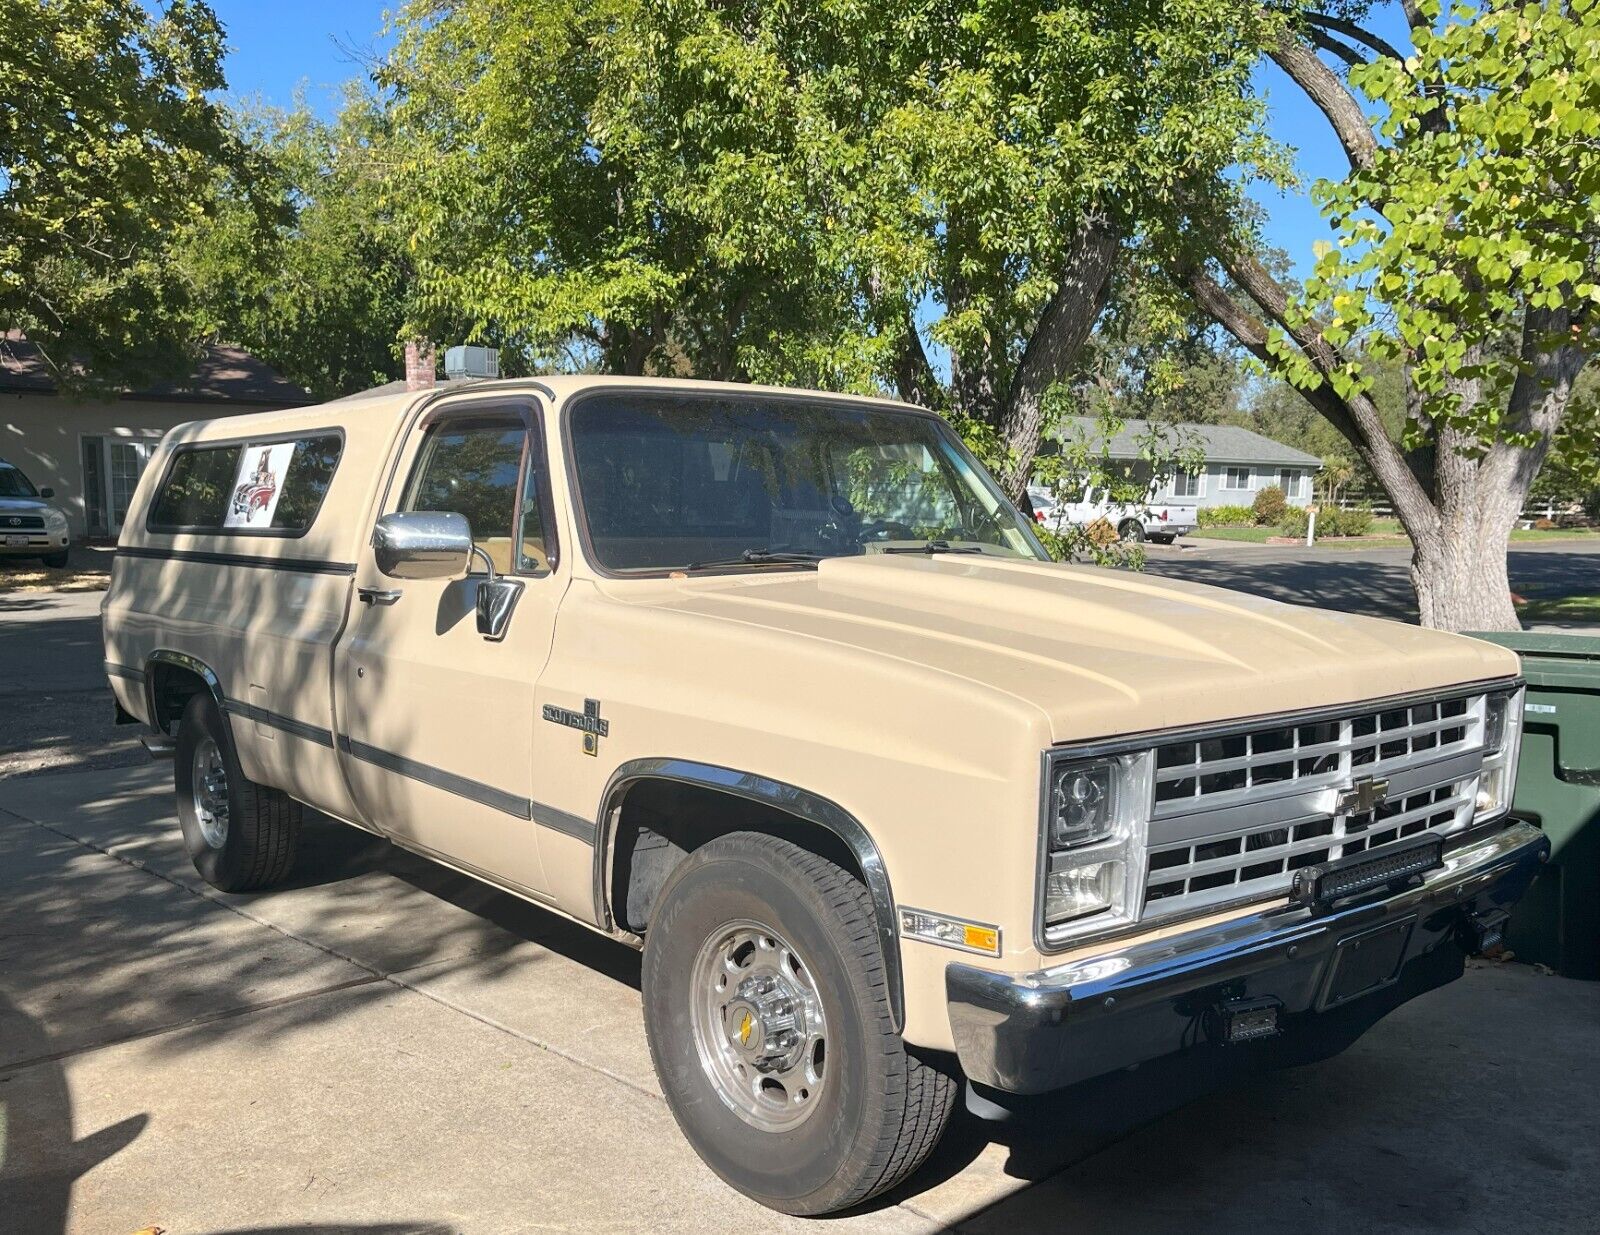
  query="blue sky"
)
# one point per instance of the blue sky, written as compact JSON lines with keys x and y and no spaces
{"x":314,"y":45}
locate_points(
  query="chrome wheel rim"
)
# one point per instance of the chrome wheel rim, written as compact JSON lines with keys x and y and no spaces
{"x":759,"y":1029}
{"x":210,"y":786}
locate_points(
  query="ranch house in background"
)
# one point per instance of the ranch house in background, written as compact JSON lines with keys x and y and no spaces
{"x":92,"y":450}
{"x":1238,"y":462}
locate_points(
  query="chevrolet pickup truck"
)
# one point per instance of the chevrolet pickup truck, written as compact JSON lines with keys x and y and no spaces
{"x":779,"y":688}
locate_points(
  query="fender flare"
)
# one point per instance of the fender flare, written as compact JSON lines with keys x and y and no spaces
{"x":179,"y":660}
{"x":791,"y":799}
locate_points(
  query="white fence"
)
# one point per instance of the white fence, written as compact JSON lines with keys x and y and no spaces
{"x":1546,"y":509}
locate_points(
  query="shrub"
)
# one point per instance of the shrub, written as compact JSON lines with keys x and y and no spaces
{"x":1269,"y":506}
{"x":1357,"y":521}
{"x":1294,"y":520}
{"x":1226,"y":516}
{"x":1331,"y":521}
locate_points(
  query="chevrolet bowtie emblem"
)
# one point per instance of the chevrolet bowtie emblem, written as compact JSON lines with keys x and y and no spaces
{"x":1361,"y":797}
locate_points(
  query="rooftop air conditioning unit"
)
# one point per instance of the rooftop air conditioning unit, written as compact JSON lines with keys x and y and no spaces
{"x":469,"y":361}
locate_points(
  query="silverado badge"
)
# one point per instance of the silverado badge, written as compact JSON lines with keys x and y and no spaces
{"x":587,"y":722}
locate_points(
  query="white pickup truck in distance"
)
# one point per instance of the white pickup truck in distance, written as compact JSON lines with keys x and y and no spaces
{"x":1161,"y":522}
{"x":779,"y":688}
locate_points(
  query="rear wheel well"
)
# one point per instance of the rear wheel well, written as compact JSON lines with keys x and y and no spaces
{"x":660,"y":822}
{"x":171,"y":687}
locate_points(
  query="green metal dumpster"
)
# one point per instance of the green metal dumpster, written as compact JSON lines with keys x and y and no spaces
{"x":1558,"y":784}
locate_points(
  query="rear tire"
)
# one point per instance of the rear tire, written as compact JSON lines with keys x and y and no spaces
{"x":778,"y":1056}
{"x":1131,"y":530}
{"x":241,"y":835}
{"x":55,"y":561}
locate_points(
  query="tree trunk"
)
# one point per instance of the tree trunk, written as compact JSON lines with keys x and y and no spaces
{"x":1458,"y":561}
{"x":1462,"y":584}
{"x":1053,"y":347}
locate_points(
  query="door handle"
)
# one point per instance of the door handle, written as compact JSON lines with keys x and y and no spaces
{"x":376,"y":596}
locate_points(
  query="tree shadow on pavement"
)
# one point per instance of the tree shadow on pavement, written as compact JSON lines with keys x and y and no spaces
{"x":39,"y":1159}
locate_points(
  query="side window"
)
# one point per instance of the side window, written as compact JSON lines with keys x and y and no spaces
{"x":472,"y":468}
{"x":270,"y":487}
{"x":534,"y":552}
{"x":195,"y":491}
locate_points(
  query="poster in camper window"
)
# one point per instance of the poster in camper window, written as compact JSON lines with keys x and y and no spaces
{"x":258,"y":484}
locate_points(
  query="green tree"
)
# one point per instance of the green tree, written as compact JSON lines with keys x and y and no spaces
{"x":1467,"y":244}
{"x":928,"y":197}
{"x":108,"y":145}
{"x":323,"y":293}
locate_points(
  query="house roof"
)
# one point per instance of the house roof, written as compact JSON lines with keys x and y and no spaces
{"x":224,"y":375}
{"x":1220,"y":443}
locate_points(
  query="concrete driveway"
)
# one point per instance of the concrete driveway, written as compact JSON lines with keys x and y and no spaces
{"x":385,"y":1046}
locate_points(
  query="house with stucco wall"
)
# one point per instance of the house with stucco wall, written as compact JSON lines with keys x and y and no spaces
{"x":1238,"y":462}
{"x":92,"y":450}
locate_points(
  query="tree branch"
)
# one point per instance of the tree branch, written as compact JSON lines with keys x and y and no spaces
{"x":1356,"y":416}
{"x":1330,"y":44}
{"x":913,"y":375}
{"x":1350,"y":30}
{"x":1323,"y":87}
{"x":1251,"y":334}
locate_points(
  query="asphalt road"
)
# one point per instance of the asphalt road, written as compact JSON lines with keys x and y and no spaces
{"x":55,"y":707}
{"x":1371,"y":581}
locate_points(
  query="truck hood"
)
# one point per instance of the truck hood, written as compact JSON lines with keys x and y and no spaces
{"x":1098,"y":652}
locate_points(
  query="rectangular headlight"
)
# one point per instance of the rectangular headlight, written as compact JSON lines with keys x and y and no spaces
{"x":1095,"y":816}
{"x":1074,"y":891}
{"x":1502,"y":746}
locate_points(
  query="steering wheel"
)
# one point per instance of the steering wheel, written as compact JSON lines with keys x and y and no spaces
{"x":885,"y":529}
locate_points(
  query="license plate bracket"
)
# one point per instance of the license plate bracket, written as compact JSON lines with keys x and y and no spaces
{"x":16,"y":542}
{"x":1366,"y":963}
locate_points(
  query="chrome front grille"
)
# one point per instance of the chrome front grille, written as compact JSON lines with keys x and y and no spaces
{"x":1237,"y":814}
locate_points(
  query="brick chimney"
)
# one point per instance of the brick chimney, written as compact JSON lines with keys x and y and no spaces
{"x":419,"y":365}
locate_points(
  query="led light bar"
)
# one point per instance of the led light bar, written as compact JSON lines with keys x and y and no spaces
{"x":1332,"y":881}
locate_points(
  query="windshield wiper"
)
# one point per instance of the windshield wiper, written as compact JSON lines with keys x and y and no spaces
{"x":932,"y":547}
{"x":760,"y":557}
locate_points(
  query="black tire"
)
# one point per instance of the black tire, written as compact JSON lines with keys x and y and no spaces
{"x":880,"y":1110}
{"x":1131,"y":530}
{"x":55,"y":561}
{"x":262,"y":829}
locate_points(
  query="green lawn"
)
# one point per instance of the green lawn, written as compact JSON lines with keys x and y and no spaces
{"x":1563,"y":533}
{"x":1256,"y":534}
{"x":1583,"y":607}
{"x":1384,"y":534}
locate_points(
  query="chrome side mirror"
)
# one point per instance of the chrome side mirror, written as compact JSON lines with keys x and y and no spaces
{"x":422,"y":544}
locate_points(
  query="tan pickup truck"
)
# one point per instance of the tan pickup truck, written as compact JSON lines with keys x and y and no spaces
{"x":778,"y":687}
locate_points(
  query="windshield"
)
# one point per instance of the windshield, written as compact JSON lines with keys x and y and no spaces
{"x":669,"y":482}
{"x":14,"y":484}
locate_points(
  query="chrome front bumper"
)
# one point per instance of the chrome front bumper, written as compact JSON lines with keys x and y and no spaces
{"x":1032,"y":1032}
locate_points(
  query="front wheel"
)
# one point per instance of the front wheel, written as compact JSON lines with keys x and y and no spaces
{"x":1131,"y":530}
{"x":241,"y":835}
{"x":766,"y":1006}
{"x":55,"y":561}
